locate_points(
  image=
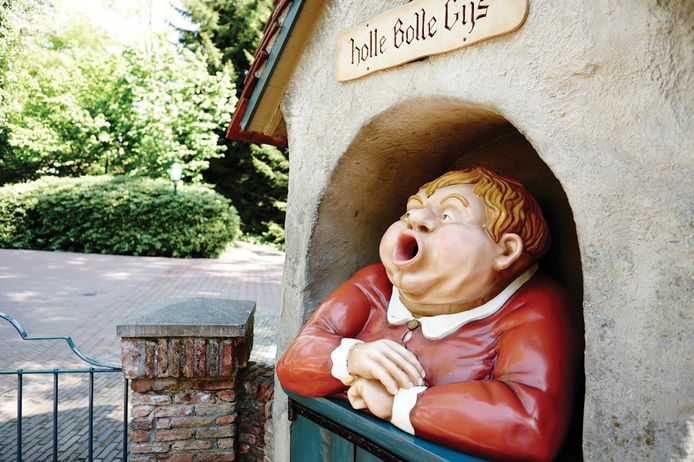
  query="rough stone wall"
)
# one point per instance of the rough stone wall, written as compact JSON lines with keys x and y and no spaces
{"x":603,"y":92}
{"x":254,"y":408}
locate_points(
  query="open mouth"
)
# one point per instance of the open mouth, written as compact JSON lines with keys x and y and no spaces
{"x":407,"y":249}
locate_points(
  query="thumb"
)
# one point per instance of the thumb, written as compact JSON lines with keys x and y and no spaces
{"x":355,"y":398}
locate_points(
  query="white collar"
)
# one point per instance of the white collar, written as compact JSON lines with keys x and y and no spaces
{"x":436,"y":327}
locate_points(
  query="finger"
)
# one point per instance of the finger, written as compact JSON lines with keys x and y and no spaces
{"x":413,"y":375}
{"x":406,"y":354}
{"x":383,"y":376}
{"x":395,"y":371}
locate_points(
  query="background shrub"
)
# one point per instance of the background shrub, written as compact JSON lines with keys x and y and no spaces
{"x":116,"y":215}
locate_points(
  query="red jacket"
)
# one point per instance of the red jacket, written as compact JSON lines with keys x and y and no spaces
{"x":500,"y":387}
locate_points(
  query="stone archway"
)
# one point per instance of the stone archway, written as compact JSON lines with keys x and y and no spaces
{"x":407,"y":145}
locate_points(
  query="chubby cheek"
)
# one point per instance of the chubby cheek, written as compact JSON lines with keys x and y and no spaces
{"x":454,"y":244}
{"x":387,"y":245}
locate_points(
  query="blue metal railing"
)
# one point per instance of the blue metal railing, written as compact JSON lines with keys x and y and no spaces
{"x":97,"y":367}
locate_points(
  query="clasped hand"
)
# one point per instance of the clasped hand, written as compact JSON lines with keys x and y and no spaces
{"x":381,"y":368}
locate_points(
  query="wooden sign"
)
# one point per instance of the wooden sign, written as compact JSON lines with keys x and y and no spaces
{"x":423,"y":28}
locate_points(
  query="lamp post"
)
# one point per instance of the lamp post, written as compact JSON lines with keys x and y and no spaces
{"x":175,"y":174}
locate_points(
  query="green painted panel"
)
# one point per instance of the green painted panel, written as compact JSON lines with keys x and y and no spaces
{"x":382,"y":433}
{"x":307,"y":441}
{"x":312,"y":443}
{"x":342,"y":450}
{"x":364,"y":456}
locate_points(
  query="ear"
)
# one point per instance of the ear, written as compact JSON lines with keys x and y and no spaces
{"x":512,"y":249}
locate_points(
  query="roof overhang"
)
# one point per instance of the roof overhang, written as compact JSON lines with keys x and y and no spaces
{"x":257,"y":117}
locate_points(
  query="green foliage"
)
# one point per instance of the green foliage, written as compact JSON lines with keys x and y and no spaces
{"x":6,"y":37}
{"x":228,"y":31}
{"x":78,"y":108}
{"x":254,"y":177}
{"x":8,"y":34}
{"x":116,"y":215}
{"x":9,"y":48}
{"x":274,"y":235}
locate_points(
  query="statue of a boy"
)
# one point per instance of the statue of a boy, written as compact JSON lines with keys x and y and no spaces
{"x":454,"y":338}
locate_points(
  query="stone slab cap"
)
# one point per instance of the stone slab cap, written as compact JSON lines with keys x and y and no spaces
{"x":191,"y":317}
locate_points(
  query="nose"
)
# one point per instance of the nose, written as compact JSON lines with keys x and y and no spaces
{"x":422,"y":220}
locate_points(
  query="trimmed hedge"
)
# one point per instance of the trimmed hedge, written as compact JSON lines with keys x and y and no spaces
{"x":116,"y":215}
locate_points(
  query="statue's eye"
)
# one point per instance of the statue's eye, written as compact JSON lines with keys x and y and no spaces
{"x":446,"y":217}
{"x":405,"y":216}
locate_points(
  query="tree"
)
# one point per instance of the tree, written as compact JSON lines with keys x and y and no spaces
{"x":254,"y":177}
{"x":9,"y":47}
{"x":79,"y":108}
{"x":167,"y":107}
{"x":9,"y":36}
{"x":227,"y":31}
{"x":7,"y":39}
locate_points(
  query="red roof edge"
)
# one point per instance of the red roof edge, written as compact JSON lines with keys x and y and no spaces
{"x":235,"y":133}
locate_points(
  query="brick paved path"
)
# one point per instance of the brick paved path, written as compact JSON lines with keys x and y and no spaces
{"x":86,"y":296}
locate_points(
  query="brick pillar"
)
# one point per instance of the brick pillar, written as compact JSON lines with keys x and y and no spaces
{"x":256,"y":388}
{"x":183,"y":358}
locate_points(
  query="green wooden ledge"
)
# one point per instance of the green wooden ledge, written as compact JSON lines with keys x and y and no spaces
{"x":383,"y":434}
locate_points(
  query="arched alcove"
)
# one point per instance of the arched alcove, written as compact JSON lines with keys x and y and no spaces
{"x":407,"y":145}
{"x":401,"y":149}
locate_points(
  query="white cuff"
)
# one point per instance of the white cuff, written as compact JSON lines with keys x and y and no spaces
{"x":403,"y":402}
{"x":339,"y":358}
